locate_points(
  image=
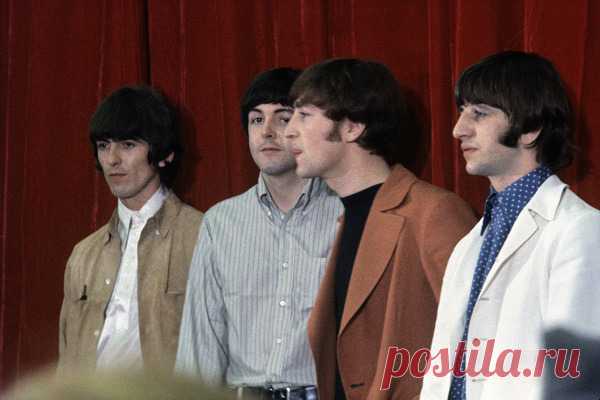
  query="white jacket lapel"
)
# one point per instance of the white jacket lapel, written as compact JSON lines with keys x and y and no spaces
{"x":544,"y":203}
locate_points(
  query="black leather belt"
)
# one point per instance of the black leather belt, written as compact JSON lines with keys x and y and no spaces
{"x":269,"y":393}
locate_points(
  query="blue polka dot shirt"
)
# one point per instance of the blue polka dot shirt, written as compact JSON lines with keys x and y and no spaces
{"x":501,"y":211}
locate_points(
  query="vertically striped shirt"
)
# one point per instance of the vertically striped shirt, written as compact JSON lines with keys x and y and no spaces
{"x":252,"y":284}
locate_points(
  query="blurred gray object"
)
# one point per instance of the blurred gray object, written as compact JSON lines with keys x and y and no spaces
{"x":587,"y":385}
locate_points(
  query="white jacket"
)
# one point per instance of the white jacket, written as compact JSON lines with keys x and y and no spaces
{"x":546,"y":275}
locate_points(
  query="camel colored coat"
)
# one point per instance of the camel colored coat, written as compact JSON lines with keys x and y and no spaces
{"x":164,"y":253}
{"x":394,"y":288}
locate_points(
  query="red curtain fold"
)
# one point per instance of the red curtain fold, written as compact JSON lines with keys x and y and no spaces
{"x":58,"y":59}
{"x":61,"y":58}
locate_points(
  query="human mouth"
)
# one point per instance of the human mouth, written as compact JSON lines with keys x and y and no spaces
{"x":467,"y":149}
{"x":116,"y":175}
{"x":270,"y":149}
{"x":296,"y":152}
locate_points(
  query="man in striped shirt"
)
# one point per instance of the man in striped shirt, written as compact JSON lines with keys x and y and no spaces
{"x":258,"y":264}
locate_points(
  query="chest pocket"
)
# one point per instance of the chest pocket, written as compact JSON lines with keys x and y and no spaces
{"x":86,"y":303}
{"x":176,"y":279}
{"x":308,"y":285}
{"x":162,"y":263}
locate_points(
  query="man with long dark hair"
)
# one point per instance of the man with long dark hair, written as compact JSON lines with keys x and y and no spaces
{"x":384,"y":274}
{"x":531,"y":263}
{"x":124,"y":283}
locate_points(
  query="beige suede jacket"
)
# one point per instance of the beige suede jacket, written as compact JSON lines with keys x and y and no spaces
{"x":164,"y":254}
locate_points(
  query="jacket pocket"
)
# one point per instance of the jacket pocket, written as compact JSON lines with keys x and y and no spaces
{"x":176,"y":281}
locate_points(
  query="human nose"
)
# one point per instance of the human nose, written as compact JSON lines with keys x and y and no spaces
{"x":290,"y":131}
{"x":461,"y":128}
{"x":113,"y":157}
{"x":268,"y":130}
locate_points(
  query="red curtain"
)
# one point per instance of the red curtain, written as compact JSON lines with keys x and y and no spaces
{"x":59,"y":58}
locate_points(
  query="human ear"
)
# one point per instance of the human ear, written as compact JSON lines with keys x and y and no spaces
{"x":351,"y":131}
{"x":527,"y":139}
{"x":167,"y":160}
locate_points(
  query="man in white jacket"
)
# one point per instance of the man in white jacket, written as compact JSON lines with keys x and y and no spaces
{"x":531,"y":263}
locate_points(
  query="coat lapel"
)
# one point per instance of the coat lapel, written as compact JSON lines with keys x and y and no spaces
{"x":377,"y":245}
{"x":544,"y":203}
{"x":378,"y":241}
{"x":521,"y":231}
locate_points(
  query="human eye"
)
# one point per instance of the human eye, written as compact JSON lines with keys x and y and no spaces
{"x":303,"y":114}
{"x":102,"y":145}
{"x":284,"y":118}
{"x":479,"y":113}
{"x":128,"y":144}
{"x":256,"y":120}
{"x":479,"y":110}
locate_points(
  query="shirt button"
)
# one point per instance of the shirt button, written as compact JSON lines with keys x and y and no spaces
{"x":284,"y":265}
{"x":107,"y":281}
{"x":96,"y":332}
{"x":278,"y":340}
{"x":283,"y":303}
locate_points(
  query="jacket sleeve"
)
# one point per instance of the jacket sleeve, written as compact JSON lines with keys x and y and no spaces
{"x":64,"y":315}
{"x":203,"y":350}
{"x":447,"y":221}
{"x":574,"y":277}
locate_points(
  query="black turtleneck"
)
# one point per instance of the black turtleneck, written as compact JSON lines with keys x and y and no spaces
{"x":357,"y":207}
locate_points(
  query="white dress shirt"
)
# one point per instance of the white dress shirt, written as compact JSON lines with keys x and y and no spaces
{"x":119,"y":344}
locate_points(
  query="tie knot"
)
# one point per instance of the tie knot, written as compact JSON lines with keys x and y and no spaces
{"x":490,"y":204}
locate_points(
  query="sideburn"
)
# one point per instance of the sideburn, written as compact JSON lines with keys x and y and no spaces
{"x":334,"y":134}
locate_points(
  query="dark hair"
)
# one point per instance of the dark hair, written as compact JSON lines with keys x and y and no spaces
{"x":362,"y":91}
{"x":529,"y":90}
{"x":269,"y":87}
{"x":140,"y":113}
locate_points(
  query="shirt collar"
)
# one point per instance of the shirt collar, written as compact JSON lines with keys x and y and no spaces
{"x":515,"y":196}
{"x":311,"y":189}
{"x":142,"y":215}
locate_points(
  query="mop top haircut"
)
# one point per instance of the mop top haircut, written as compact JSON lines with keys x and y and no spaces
{"x":140,"y":113}
{"x":362,"y":91}
{"x":269,"y":87}
{"x":529,"y":90}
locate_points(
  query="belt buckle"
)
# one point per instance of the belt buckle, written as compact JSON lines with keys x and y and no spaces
{"x":284,"y":393}
{"x":242,"y":392}
{"x":310,"y":393}
{"x":300,"y":393}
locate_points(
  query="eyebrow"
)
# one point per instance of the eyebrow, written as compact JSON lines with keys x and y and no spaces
{"x":113,"y":140}
{"x":483,"y":105}
{"x":277,"y":111}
